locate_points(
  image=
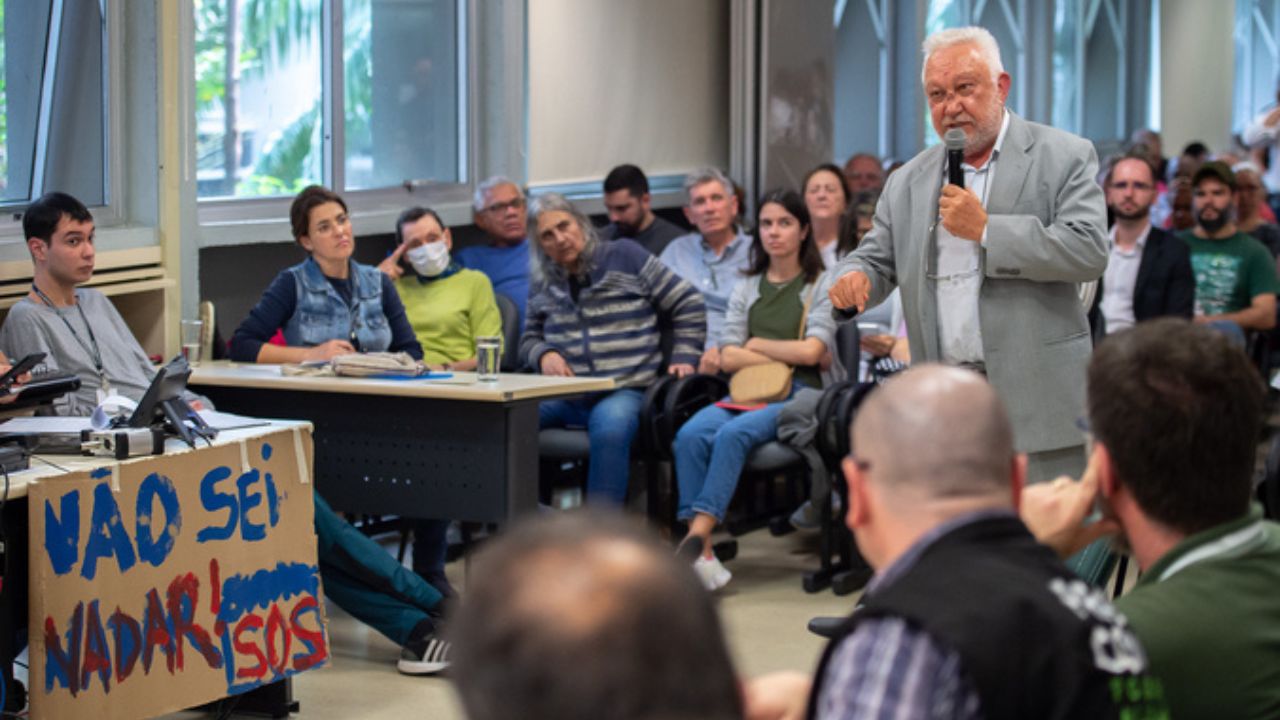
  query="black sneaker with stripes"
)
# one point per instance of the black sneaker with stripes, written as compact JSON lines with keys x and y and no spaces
{"x":424,"y":656}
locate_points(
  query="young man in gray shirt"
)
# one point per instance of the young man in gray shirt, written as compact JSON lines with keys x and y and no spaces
{"x":78,"y":329}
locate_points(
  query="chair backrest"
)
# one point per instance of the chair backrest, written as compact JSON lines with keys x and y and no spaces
{"x":510,"y":332}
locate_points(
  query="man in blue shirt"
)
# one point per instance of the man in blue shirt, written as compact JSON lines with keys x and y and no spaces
{"x":714,"y":258}
{"x":499,"y":211}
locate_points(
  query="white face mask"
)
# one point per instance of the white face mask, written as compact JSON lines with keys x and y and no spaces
{"x":429,"y":259}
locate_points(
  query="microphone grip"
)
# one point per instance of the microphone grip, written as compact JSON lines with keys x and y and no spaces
{"x":955,"y":173}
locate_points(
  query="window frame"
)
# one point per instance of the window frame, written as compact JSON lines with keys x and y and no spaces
{"x":225,"y":220}
{"x":111,"y":213}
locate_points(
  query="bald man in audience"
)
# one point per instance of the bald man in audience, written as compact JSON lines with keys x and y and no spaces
{"x":1176,"y":411}
{"x":967,"y":615}
{"x":583,"y":616}
{"x":863,"y":174}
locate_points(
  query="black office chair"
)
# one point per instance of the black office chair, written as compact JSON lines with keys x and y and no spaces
{"x":510,"y":333}
{"x":565,"y":451}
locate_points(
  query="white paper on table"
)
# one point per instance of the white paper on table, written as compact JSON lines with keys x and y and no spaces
{"x":35,"y":424}
{"x":229,"y":421}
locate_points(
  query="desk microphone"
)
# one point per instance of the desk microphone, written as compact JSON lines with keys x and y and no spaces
{"x":954,"y":139}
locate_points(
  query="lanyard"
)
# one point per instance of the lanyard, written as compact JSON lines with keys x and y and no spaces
{"x":90,"y":348}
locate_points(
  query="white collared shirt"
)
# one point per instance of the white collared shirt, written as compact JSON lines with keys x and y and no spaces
{"x":1119,"y":283}
{"x":959,"y":278}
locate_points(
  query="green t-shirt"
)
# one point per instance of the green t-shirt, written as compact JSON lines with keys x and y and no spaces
{"x":1208,"y":615}
{"x":775,"y":315}
{"x":448,"y":314}
{"x":1230,"y":272}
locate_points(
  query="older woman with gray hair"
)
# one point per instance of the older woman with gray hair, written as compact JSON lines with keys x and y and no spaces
{"x":593,"y":310}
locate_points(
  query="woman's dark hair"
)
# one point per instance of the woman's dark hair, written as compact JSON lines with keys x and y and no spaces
{"x":414,"y":214}
{"x":810,"y":257}
{"x":311,"y":197}
{"x":831,"y":168}
{"x":863,"y":205}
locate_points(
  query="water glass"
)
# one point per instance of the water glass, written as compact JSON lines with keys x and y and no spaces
{"x":192,"y":341}
{"x":488,"y":357}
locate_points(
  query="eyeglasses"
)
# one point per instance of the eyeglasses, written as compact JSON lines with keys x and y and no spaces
{"x":499,"y":208}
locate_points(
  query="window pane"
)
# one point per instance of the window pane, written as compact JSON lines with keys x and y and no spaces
{"x":74,"y":120}
{"x":258,"y":111}
{"x":401,"y":92}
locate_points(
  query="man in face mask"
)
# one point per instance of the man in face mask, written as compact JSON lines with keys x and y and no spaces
{"x":1235,"y":274}
{"x":448,"y":307}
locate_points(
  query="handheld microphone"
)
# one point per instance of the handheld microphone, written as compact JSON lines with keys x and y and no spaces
{"x":954,"y":139}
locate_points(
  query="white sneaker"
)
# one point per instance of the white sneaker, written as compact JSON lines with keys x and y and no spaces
{"x":713,"y":574}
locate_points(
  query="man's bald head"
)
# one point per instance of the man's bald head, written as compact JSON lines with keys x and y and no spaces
{"x":936,"y":433}
{"x":579,"y":615}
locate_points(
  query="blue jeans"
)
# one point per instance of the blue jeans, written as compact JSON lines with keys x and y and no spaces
{"x":711,"y":450}
{"x":366,"y":581}
{"x":611,"y":420}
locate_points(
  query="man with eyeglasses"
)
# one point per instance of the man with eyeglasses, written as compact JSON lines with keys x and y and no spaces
{"x":711,"y":259}
{"x":1149,"y":271}
{"x":989,"y":271}
{"x":1175,"y":413}
{"x":498,"y":210}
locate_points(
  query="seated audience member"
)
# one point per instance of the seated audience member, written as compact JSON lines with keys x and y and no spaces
{"x":498,"y":210}
{"x":328,"y":304}
{"x":766,"y":322}
{"x":713,"y":257}
{"x":1148,"y":143}
{"x":594,"y":311}
{"x":1149,"y":271}
{"x":863,"y":173}
{"x":448,"y":307}
{"x":1175,"y":414}
{"x":360,"y":576}
{"x":1235,"y":275}
{"x":1251,"y":201}
{"x":78,"y":329}
{"x":826,"y":197}
{"x":597,"y":595}
{"x":967,"y":615}
{"x":626,"y":199}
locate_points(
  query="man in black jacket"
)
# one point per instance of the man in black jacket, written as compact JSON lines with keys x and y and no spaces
{"x":966,"y":611}
{"x":1149,"y":270}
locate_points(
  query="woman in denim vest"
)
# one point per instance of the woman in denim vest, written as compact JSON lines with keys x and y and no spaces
{"x":328,"y":304}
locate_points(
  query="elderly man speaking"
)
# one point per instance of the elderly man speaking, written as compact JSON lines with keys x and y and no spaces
{"x":989,"y":271}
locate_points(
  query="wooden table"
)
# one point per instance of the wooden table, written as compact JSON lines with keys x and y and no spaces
{"x":451,"y":448}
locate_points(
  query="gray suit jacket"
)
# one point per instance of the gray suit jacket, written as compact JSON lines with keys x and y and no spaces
{"x":1046,"y":232}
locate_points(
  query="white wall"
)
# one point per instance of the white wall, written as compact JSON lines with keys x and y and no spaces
{"x":1197,"y":55}
{"x":645,"y":82}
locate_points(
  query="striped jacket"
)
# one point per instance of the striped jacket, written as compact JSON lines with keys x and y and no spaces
{"x":612,"y":329}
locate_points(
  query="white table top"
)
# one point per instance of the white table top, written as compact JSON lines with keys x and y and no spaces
{"x":461,"y":386}
{"x":46,"y":466}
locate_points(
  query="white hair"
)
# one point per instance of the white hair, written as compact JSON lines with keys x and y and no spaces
{"x":486,"y":187}
{"x":1246,"y":166}
{"x":980,"y":37}
{"x":704,"y":175}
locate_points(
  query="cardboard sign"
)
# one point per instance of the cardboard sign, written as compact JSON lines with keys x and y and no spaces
{"x":166,"y":582}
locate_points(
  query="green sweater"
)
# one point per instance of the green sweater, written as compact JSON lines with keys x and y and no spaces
{"x":448,"y":314}
{"x":1208,"y":614}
